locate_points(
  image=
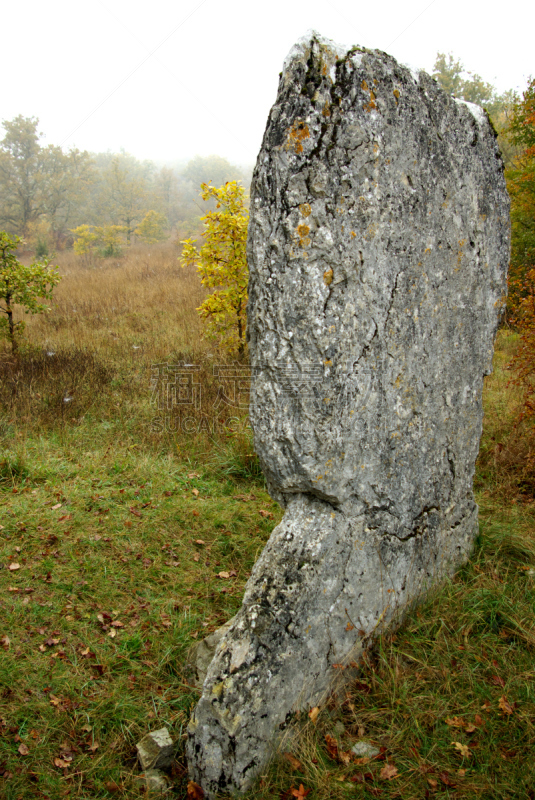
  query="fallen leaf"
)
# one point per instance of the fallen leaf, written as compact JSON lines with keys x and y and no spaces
{"x":112,"y":634}
{"x":195,"y":492}
{"x":505,"y":707}
{"x":113,"y":787}
{"x":313,"y":713}
{"x":14,"y":566}
{"x":301,"y":792}
{"x":194,"y":791}
{"x":61,"y":763}
{"x":445,"y":779}
{"x":432,"y":783}
{"x":388,"y":772}
{"x":461,"y":772}
{"x":463,"y":749}
{"x":93,"y":747}
{"x":294,"y":762}
{"x":192,"y":475}
{"x":332,"y":746}
{"x":54,"y":508}
{"x":117,"y":623}
{"x":196,"y":557}
{"x":470,"y":728}
{"x":200,"y":541}
{"x":135,"y":512}
{"x":455,"y":722}
{"x":23,"y":749}
{"x":65,"y":517}
{"x":5,"y":641}
{"x":497,"y":680}
{"x":223,"y":574}
{"x":479,"y":720}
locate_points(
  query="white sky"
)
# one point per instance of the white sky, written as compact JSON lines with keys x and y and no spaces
{"x":86,"y":69}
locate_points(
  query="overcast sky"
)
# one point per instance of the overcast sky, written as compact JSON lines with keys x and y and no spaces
{"x":167,"y":80}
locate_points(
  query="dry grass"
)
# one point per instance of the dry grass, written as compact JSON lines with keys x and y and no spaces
{"x":142,"y":299}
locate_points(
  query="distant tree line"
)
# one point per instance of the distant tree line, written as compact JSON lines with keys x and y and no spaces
{"x":46,"y":193}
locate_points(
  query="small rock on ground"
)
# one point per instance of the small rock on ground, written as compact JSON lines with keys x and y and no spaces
{"x":365,"y":750}
{"x":155,"y":750}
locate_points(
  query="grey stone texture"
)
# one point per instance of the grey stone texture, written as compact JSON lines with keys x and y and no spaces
{"x":201,"y":654}
{"x":155,"y":750}
{"x":378,"y":248}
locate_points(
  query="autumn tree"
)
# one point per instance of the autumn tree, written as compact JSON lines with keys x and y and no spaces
{"x":21,"y":285}
{"x":221,"y":262}
{"x":38,"y":183}
{"x":152,"y":228}
{"x":456,"y":80}
{"x":104,"y":240}
{"x":214,"y":169}
{"x":125,"y":194}
{"x":521,"y":186}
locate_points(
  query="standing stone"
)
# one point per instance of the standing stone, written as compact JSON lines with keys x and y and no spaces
{"x":378,"y":247}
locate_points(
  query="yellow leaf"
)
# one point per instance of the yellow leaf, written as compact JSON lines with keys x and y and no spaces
{"x":463,"y":749}
{"x":505,"y":707}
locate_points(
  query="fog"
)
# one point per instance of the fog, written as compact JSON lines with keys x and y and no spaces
{"x":167,"y":80}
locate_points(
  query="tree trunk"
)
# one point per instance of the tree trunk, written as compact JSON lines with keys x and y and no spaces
{"x":11,"y":325}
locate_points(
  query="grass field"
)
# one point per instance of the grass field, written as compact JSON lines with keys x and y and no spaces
{"x":129,"y":525}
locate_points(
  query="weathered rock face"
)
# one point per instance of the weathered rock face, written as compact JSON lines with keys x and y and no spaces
{"x":378,"y":247}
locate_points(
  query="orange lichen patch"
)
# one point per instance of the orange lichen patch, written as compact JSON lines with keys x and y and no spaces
{"x":396,"y":94}
{"x":364,"y":86}
{"x":296,"y":136}
{"x":303,"y":231}
{"x":305,"y":209}
{"x":371,"y":105}
{"x":328,"y":277}
{"x":353,"y":234}
{"x":324,"y":69}
{"x":326,"y":111}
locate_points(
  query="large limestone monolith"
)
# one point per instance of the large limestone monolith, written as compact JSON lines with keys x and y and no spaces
{"x":378,"y":248}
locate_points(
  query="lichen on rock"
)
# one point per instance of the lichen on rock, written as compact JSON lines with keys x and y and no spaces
{"x":370,"y":333}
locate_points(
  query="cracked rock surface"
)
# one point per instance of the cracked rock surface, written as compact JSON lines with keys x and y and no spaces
{"x":378,"y":247}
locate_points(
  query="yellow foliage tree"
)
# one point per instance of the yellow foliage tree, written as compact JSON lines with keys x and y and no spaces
{"x":108,"y":238}
{"x":152,"y":227}
{"x":222,"y":264}
{"x":21,"y":285}
{"x":85,"y":242}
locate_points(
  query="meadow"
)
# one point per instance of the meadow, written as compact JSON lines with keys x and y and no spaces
{"x":132,"y":509}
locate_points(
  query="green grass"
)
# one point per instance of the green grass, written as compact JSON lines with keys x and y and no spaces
{"x":461,"y":669}
{"x":118,"y":553}
{"x":120,"y":530}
